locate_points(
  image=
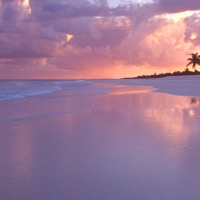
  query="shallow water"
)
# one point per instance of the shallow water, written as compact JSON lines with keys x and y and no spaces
{"x":142,"y":146}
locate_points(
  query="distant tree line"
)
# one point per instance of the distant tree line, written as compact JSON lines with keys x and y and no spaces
{"x":194,"y":60}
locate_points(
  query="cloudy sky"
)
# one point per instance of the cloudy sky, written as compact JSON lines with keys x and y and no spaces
{"x":96,"y":38}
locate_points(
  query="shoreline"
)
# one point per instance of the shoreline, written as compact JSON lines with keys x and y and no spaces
{"x":188,"y":85}
{"x":176,"y":73}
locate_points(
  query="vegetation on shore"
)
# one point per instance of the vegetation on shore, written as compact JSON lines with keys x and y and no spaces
{"x":177,"y":73}
{"x":194,"y":60}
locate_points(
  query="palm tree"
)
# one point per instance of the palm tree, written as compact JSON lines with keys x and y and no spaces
{"x":194,"y":60}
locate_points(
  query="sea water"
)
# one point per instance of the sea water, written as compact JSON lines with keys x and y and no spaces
{"x":16,"y":89}
{"x":79,"y":140}
{"x":26,"y":94}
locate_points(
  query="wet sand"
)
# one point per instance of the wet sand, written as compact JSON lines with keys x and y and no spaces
{"x":127,"y":146}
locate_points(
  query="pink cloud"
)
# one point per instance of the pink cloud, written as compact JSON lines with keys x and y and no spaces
{"x":34,"y":43}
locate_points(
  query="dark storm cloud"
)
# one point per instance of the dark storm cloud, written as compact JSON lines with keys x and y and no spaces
{"x":108,"y":37}
{"x":6,"y":1}
{"x":75,"y":9}
{"x":87,"y":9}
{"x":70,"y":11}
{"x":9,"y":14}
{"x":174,"y":6}
{"x":192,"y":33}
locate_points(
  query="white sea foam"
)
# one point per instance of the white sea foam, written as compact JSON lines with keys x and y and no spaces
{"x":12,"y":90}
{"x":25,"y":100}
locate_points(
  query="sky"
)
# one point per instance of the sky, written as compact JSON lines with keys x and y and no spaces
{"x":84,"y":39}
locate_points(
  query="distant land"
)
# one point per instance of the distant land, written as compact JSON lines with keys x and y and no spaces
{"x":176,"y":73}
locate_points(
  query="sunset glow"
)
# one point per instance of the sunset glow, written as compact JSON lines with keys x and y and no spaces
{"x":177,"y":17}
{"x":193,"y":36}
{"x":69,"y":37}
{"x":27,"y":5}
{"x":97,"y":41}
{"x":26,"y":2}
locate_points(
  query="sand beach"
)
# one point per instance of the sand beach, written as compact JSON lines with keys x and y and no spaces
{"x":100,"y":139}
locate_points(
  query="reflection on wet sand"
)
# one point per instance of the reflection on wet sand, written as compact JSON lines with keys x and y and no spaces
{"x":128,"y":146}
{"x":167,"y":112}
{"x":195,"y":101}
{"x":122,"y":89}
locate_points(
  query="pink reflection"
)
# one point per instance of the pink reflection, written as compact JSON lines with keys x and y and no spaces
{"x":165,"y":112}
{"x":125,"y":144}
{"x":121,"y":89}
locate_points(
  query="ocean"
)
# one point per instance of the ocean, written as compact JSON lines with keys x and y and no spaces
{"x":99,"y":139}
{"x":76,"y":94}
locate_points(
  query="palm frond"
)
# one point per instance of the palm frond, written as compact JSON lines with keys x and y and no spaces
{"x":189,"y":64}
{"x":194,"y":55}
{"x":194,"y":60}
